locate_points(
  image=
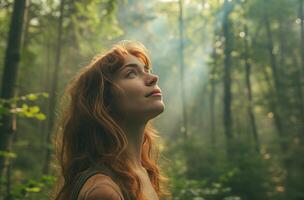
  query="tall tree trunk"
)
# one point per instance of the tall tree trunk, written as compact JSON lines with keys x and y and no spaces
{"x":184,"y":128}
{"x":12,"y":57}
{"x":277,"y":85}
{"x":249,"y":93}
{"x":27,"y":19}
{"x":282,"y":33}
{"x":301,"y":14}
{"x":54,"y":87}
{"x":212,"y":100}
{"x":227,"y":75}
{"x":299,"y":94}
{"x":301,"y":68}
{"x":44,"y":128}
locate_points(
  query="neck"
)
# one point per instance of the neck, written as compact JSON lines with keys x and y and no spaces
{"x":135,"y":135}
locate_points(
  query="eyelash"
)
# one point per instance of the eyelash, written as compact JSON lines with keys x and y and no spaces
{"x":148,"y":71}
{"x":135,"y":72}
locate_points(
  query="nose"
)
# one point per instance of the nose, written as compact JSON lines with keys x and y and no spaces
{"x":152,"y":79}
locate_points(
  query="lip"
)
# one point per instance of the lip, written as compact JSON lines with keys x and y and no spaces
{"x":155,"y":92}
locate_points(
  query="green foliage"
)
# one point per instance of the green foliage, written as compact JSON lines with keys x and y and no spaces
{"x":8,"y":154}
{"x":200,"y":168}
{"x":201,"y":190}
{"x":10,"y":106}
{"x":31,"y":188}
{"x":208,"y":174}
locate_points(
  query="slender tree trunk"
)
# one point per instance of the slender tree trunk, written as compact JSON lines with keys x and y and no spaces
{"x":44,"y":128}
{"x":249,"y":92}
{"x":301,"y":14}
{"x":184,"y":128}
{"x":227,"y":75}
{"x":301,"y":68}
{"x":298,"y":93}
{"x":282,"y":28}
{"x":25,"y":38}
{"x":212,"y":100}
{"x":54,"y":87}
{"x":12,"y":57}
{"x":273,"y":63}
{"x":277,"y":84}
{"x":274,"y":108}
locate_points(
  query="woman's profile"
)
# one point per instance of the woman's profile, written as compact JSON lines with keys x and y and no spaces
{"x":106,"y":147}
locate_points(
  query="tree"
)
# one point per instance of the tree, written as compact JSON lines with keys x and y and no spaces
{"x":12,"y":58}
{"x":184,"y":129}
{"x":227,"y":117}
{"x":54,"y":89}
{"x":277,"y":89}
{"x":249,"y":90}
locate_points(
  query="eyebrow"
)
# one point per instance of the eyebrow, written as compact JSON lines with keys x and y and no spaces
{"x":133,"y":65}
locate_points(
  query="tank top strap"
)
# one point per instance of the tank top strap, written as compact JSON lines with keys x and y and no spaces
{"x":85,"y":175}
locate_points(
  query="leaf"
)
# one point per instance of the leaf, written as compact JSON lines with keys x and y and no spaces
{"x":32,"y":97}
{"x":33,"y":189}
{"x":24,"y":107}
{"x":34,"y":109}
{"x":40,"y":116}
{"x":49,"y":179}
{"x":8,"y":154}
{"x":45,"y":94}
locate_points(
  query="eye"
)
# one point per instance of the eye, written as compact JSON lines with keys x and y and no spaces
{"x":131,"y":73}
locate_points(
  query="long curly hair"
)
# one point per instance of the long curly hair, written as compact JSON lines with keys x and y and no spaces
{"x":87,"y":134}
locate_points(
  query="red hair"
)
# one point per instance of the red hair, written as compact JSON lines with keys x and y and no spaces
{"x":89,"y":135}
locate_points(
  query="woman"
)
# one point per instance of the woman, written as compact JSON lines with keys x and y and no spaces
{"x":106,"y":129}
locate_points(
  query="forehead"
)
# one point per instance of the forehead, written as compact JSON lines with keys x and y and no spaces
{"x":131,"y":59}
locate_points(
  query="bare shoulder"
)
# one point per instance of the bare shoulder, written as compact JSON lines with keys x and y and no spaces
{"x":100,"y":187}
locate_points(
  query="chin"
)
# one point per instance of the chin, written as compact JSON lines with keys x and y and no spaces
{"x":157,"y":111}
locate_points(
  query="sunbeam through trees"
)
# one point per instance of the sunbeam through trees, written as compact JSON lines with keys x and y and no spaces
{"x":231,"y":74}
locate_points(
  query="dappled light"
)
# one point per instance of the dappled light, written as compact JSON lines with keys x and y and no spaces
{"x":231,"y":74}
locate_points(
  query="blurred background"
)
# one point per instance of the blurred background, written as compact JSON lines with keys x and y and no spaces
{"x":231,"y":72}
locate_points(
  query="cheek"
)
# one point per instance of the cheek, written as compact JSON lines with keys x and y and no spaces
{"x":132,"y":90}
{"x":128,"y":98}
{"x":130,"y":95}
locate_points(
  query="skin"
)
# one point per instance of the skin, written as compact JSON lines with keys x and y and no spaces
{"x":133,"y":109}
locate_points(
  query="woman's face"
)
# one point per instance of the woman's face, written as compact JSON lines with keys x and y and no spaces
{"x":137,"y":84}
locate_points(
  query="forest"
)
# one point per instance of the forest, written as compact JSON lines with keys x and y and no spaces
{"x":232,"y":75}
